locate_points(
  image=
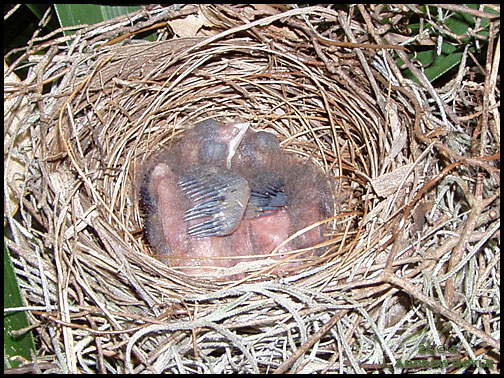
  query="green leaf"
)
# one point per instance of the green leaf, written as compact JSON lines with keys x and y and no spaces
{"x":451,"y":54}
{"x":38,"y":9}
{"x":88,"y":14}
{"x":14,"y":345}
{"x":78,"y":14}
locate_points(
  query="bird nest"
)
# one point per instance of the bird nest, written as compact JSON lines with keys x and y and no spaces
{"x":411,"y":259}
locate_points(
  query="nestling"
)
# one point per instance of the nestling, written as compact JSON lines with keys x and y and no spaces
{"x":225,"y":192}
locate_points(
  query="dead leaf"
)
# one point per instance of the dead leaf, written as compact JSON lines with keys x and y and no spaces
{"x":188,"y":26}
{"x":15,"y":170}
{"x":388,"y":183}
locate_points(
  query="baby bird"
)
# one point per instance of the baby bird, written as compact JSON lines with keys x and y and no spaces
{"x":190,"y":181}
{"x":287,"y":195}
{"x":223,"y":192}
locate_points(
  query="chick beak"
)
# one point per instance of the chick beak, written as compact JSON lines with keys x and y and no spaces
{"x":236,"y":131}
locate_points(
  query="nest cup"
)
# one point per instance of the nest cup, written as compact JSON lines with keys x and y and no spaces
{"x":137,"y":100}
{"x":117,"y":105}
